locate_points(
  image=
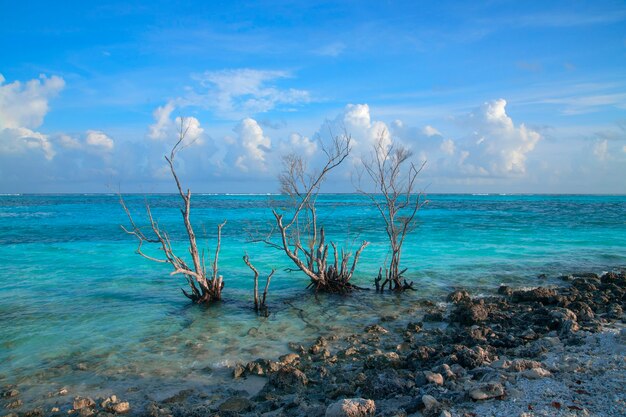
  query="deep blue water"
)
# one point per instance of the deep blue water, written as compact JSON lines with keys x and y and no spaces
{"x":73,"y":292}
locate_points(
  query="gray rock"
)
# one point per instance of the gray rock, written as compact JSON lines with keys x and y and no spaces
{"x":289,"y":379}
{"x":487,"y":391}
{"x":458,"y":296}
{"x":352,"y":407}
{"x":236,"y":405}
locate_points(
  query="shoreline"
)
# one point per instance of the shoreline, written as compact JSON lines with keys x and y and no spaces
{"x":468,"y":356}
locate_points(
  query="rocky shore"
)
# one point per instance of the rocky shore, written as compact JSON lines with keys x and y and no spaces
{"x":556,"y":351}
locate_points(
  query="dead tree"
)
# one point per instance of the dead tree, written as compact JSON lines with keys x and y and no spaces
{"x":259,"y":304}
{"x":301,"y":238}
{"x":204,"y":288}
{"x":397,"y":201}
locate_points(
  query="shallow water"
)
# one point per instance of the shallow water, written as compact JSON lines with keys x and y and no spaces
{"x":79,"y":309}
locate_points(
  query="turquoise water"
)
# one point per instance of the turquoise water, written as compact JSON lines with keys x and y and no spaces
{"x":79,"y":309}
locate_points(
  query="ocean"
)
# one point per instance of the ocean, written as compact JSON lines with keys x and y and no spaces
{"x":79,"y":309}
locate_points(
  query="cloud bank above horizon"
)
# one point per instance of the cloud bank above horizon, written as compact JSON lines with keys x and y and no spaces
{"x":542,"y":124}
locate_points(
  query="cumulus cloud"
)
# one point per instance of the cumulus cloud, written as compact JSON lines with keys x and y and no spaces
{"x":23,"y":107}
{"x":252,"y":146}
{"x":99,"y":140}
{"x":431,"y":131}
{"x":497,"y":146}
{"x":20,"y":139}
{"x":365,"y":133}
{"x":237,"y":93}
{"x":26,"y":104}
{"x":298,"y":144}
{"x":164,"y":128}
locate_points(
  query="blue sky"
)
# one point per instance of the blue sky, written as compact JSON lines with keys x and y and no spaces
{"x":496,"y":96}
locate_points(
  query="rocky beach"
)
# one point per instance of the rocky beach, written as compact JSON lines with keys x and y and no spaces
{"x":558,"y":350}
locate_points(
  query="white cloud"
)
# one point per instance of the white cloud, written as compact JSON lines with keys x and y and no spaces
{"x":68,"y":142}
{"x":365,"y":132}
{"x":499,"y":147}
{"x":26,"y":104}
{"x":99,"y":140}
{"x":431,"y":131}
{"x":448,"y":147}
{"x":20,"y":139}
{"x":23,"y":107}
{"x":243,"y":92}
{"x":194,"y":133}
{"x":162,"y":127}
{"x":299,"y":144}
{"x":254,"y":145}
{"x":624,"y":149}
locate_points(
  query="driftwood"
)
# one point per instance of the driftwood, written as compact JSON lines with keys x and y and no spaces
{"x":203,"y":288}
{"x":260,"y":305}
{"x":398,"y":205}
{"x":300,"y":236}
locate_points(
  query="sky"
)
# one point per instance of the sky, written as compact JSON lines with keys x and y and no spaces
{"x":495,"y":96}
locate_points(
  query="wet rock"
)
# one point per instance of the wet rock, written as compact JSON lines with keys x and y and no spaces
{"x":376,"y":329}
{"x":296,"y":347}
{"x":289,"y":358}
{"x":239,"y":371}
{"x":318,"y":346}
{"x":458,"y":296}
{"x":541,"y":295}
{"x":382,"y":360}
{"x":505,"y":290}
{"x":471,"y":312}
{"x":614,"y":311}
{"x":288,"y":379}
{"x":120,"y":408}
{"x":14,"y":404}
{"x":560,"y":315}
{"x":433,"y":316}
{"x":582,"y":310}
{"x":487,"y":391}
{"x":10,"y":393}
{"x":83,"y":402}
{"x":584,"y":285}
{"x":587,"y":275}
{"x":414,"y":327}
{"x":389,"y":317}
{"x":351,"y":407}
{"x":181,"y":396}
{"x":236,"y":405}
